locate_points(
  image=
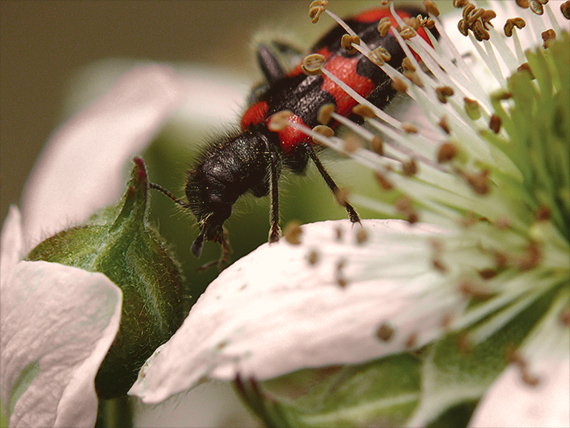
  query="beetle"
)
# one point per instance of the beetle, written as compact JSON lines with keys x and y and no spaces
{"x":252,"y":159}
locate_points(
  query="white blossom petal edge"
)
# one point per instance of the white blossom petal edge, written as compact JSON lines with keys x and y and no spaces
{"x":57,"y":324}
{"x":277,"y":310}
{"x":82,"y":166}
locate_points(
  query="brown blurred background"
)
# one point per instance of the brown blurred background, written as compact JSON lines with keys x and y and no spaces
{"x":43,"y":43}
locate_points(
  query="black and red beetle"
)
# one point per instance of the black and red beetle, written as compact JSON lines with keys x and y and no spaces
{"x":252,"y":160}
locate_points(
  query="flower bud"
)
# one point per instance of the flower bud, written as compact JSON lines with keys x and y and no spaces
{"x":119,"y":243}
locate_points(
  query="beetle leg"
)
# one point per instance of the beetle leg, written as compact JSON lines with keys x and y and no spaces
{"x":275,"y":230}
{"x":352,"y":214}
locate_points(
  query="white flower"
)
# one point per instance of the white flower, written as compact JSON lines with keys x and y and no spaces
{"x":58,"y":322}
{"x":470,"y":302}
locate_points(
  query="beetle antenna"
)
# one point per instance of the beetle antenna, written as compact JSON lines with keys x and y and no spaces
{"x":167,"y":193}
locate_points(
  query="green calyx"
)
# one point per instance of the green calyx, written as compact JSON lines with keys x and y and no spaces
{"x":119,"y":243}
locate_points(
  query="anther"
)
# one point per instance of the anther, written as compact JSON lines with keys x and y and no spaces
{"x":312,"y":64}
{"x":462,"y":27}
{"x":523,"y":3}
{"x":323,"y":130}
{"x":526,"y":67}
{"x":313,"y":257}
{"x":565,"y":9}
{"x":409,"y":168}
{"x":547,"y":36}
{"x":536,"y":7}
{"x":279,"y":121}
{"x":414,"y":78}
{"x":408,"y":32}
{"x":293,"y":232}
{"x":407,"y":64}
{"x":412,"y":22}
{"x":460,"y":3}
{"x":444,"y":124}
{"x":362,"y":236}
{"x":340,"y":278}
{"x":531,"y":258}
{"x":377,"y":145}
{"x":316,"y":8}
{"x":443,"y":93}
{"x":338,"y":233}
{"x":382,"y":53}
{"x":351,"y":144}
{"x":477,"y":291}
{"x":543,"y":214}
{"x":479,"y":182}
{"x":363,"y":111}
{"x":472,"y":108}
{"x":384,"y":26}
{"x":385,"y":332}
{"x":384,"y":183}
{"x":347,"y":41}
{"x":431,"y":7}
{"x":513,"y":22}
{"x":495,"y":123}
{"x":409,"y":128}
{"x":399,"y":85}
{"x":411,"y":341}
{"x":446,"y":152}
{"x":325,"y":113}
{"x":464,"y":344}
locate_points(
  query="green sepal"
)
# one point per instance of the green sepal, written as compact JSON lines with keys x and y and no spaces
{"x":119,"y":243}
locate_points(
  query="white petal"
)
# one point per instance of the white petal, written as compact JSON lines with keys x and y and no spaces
{"x":513,"y":403}
{"x":81,"y":168}
{"x":11,"y":242}
{"x":57,"y":324}
{"x":272,"y":313}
